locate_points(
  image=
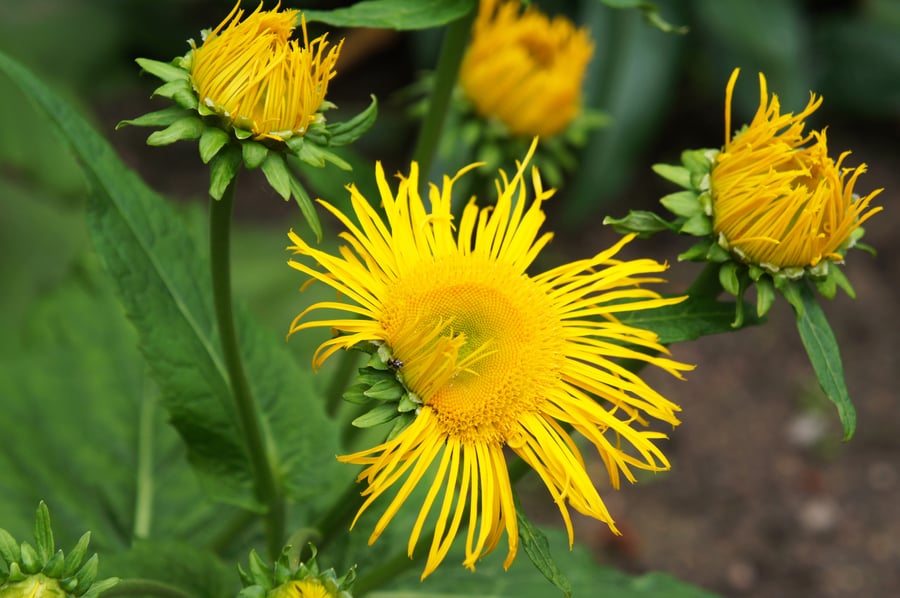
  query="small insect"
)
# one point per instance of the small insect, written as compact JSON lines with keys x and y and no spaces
{"x":395,"y":363}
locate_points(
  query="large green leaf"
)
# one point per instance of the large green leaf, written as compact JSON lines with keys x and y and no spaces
{"x":83,"y":430}
{"x":523,"y":580}
{"x":394,"y":14}
{"x":823,"y":351}
{"x":161,"y":278}
{"x":688,"y":320}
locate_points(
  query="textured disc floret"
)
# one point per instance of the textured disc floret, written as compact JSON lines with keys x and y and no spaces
{"x":494,"y":357}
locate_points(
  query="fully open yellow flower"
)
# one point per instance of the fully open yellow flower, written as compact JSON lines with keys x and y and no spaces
{"x":779,"y":200}
{"x":498,"y":358}
{"x":253,"y":73}
{"x":525,"y":69}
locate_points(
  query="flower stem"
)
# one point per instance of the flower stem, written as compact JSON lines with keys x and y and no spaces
{"x":146,"y":587}
{"x":454,"y":44}
{"x":706,"y":285}
{"x":267,"y":490}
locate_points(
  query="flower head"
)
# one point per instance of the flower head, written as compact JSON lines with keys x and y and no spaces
{"x":252,"y":72}
{"x":491,"y":357}
{"x":525,"y":69}
{"x":778,"y":199}
{"x":290,"y":578}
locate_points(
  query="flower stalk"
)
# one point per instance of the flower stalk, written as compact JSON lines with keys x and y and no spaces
{"x":265,"y":484}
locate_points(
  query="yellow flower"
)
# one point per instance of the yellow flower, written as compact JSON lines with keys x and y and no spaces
{"x":778,"y":200}
{"x":525,"y":70}
{"x":497,"y":358}
{"x":251,"y":72}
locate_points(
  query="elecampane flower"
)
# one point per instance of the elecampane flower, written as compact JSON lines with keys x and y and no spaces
{"x":779,"y":200}
{"x":253,"y":73}
{"x":525,"y":69}
{"x":498,"y":358}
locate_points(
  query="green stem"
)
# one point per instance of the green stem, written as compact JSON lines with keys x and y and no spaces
{"x":144,"y":487}
{"x":388,"y":570}
{"x":456,"y":36}
{"x":237,"y":526}
{"x":267,"y":490}
{"x":146,"y":587}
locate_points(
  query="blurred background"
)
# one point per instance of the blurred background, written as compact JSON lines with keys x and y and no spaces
{"x":763,"y":498}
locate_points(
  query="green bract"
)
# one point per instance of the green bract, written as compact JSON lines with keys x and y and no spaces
{"x":41,"y":571}
{"x":226,"y":145}
{"x":279,"y":580}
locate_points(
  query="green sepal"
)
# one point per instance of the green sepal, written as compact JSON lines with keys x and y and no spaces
{"x":728,"y":278}
{"x":211,"y":141}
{"x":55,"y":566}
{"x":371,"y":377}
{"x":253,"y":591}
{"x":98,"y":587}
{"x":697,"y":161}
{"x":87,"y":574}
{"x":401,"y":423}
{"x":679,"y":175}
{"x":349,"y":131}
{"x":259,"y":571}
{"x":698,"y":225}
{"x":682,"y":203}
{"x":190,"y":127}
{"x":696,"y":252}
{"x":277,"y":174}
{"x":823,"y":350}
{"x":9,"y":548}
{"x":378,"y":415}
{"x":160,"y":118}
{"x":536,"y":546}
{"x":172,"y":89}
{"x":43,"y":533}
{"x":15,"y":573}
{"x":765,"y":296}
{"x":316,"y":156}
{"x":31,"y":561}
{"x":76,"y":555}
{"x":639,"y":221}
{"x":242,"y":133}
{"x":841,"y":281}
{"x":717,"y":254}
{"x":254,"y":154}
{"x":386,"y":390}
{"x":222,"y":170}
{"x":406,"y":404}
{"x":356,"y":394}
{"x":306,"y":207}
{"x":69,"y":584}
{"x":826,"y":285}
{"x":163,"y":70}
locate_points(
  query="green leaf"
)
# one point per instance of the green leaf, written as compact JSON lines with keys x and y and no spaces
{"x":160,"y":275}
{"x":688,"y":320}
{"x":823,"y":351}
{"x":349,"y":131}
{"x":536,"y":546}
{"x":394,"y":14}
{"x":588,"y":578}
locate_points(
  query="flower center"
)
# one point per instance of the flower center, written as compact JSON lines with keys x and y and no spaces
{"x":479,"y":343}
